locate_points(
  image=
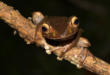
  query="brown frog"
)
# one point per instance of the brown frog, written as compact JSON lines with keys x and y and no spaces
{"x":58,"y":32}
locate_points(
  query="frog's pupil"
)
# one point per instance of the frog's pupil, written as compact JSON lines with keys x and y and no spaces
{"x":44,"y":29}
{"x":76,"y":21}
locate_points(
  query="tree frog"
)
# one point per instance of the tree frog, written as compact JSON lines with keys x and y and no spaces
{"x":58,"y":32}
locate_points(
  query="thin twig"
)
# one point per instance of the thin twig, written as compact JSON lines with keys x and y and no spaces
{"x":26,"y":30}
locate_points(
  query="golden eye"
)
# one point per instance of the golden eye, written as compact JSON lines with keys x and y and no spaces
{"x":75,"y":21}
{"x":45,"y":27}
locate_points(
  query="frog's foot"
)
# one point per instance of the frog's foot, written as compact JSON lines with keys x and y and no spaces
{"x":30,"y":18}
{"x":47,"y":48}
{"x":65,"y":49}
{"x":58,"y":48}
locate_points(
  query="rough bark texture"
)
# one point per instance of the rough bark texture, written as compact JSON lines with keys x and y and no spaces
{"x":26,"y":30}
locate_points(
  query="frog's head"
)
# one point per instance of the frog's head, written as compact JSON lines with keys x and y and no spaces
{"x":57,"y":29}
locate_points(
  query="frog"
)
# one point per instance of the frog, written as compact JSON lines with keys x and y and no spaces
{"x":57,"y":32}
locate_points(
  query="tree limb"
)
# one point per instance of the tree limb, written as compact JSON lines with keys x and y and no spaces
{"x":26,"y":31}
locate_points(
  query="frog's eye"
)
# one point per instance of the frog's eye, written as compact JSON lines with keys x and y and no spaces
{"x":75,"y":21}
{"x":45,"y":27}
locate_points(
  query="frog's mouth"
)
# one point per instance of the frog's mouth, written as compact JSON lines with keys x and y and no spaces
{"x":64,"y":41}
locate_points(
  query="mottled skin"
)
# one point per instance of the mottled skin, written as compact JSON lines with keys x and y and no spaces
{"x":58,"y":31}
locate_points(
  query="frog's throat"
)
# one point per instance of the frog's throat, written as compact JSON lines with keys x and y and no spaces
{"x":64,"y":41}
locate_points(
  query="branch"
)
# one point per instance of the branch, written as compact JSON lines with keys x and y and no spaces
{"x":26,"y":30}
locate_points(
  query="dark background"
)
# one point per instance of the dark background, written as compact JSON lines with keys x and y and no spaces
{"x":18,"y":58}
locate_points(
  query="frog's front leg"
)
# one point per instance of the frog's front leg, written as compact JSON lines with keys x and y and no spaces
{"x":63,"y":51}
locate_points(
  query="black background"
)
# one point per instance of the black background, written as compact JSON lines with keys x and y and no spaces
{"x":18,"y":58}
